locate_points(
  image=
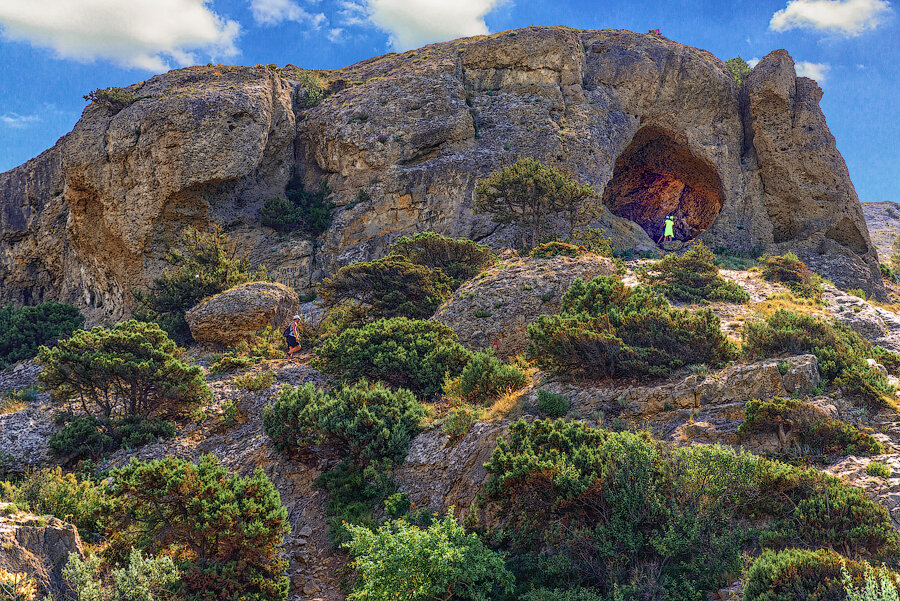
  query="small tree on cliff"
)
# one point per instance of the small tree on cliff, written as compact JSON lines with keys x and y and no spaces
{"x":528,"y":192}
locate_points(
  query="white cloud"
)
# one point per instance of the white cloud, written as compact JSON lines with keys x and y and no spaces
{"x":353,"y":13}
{"x":336,"y":34}
{"x":817,"y":71}
{"x":413,"y":23}
{"x":753,"y":62}
{"x":843,"y":17}
{"x":17,"y":121}
{"x":272,"y":12}
{"x":146,"y":34}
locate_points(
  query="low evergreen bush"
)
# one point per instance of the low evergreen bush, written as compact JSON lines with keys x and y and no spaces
{"x":557,"y":249}
{"x":301,"y":208}
{"x":388,"y":287}
{"x":48,"y":491}
{"x":363,"y":422}
{"x":24,"y":329}
{"x":441,"y":561}
{"x":458,"y":258}
{"x":692,"y":277}
{"x":824,"y":436}
{"x":268,"y":344}
{"x":840,"y":351}
{"x":625,"y":514}
{"x":484,"y":378}
{"x":401,"y":352}
{"x":141,"y":579}
{"x":131,"y":369}
{"x":806,"y":575}
{"x":876,"y":468}
{"x":223,"y":530}
{"x":91,"y":438}
{"x":793,"y":273}
{"x":605,"y":328}
{"x":552,"y":404}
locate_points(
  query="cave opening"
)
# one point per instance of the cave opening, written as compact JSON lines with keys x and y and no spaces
{"x":657,"y":176}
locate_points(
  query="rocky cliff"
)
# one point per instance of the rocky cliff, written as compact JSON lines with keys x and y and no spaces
{"x":656,"y":126}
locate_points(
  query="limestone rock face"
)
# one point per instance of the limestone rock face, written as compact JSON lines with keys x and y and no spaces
{"x":656,"y":127}
{"x":498,"y":305}
{"x":239,"y":313}
{"x":39,"y":547}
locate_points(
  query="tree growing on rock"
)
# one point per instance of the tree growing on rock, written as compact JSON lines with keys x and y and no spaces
{"x":528,"y":192}
{"x":206,"y":263}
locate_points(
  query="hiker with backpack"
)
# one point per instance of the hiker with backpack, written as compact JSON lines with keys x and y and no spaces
{"x":292,"y":336}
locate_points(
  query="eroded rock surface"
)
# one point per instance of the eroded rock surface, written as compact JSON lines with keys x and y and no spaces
{"x":401,"y":140}
{"x":38,"y":547}
{"x":497,"y":306}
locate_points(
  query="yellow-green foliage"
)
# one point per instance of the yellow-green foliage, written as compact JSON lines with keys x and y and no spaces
{"x":269,"y":344}
{"x":811,"y":429}
{"x":840,"y":351}
{"x":254,"y":382}
{"x":881,"y":470}
{"x":692,"y":277}
{"x":65,"y":496}
{"x":484,"y":378}
{"x":793,"y":273}
{"x":17,"y":586}
{"x":605,"y":328}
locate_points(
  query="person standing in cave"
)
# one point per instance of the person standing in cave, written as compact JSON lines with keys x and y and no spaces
{"x":669,"y":232}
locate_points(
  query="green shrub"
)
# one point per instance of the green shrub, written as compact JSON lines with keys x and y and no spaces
{"x":364,"y":422}
{"x":557,"y":249}
{"x":889,"y":359}
{"x":114,"y":99}
{"x":874,"y":584}
{"x":607,"y":329}
{"x":878,"y":469}
{"x":593,"y":240}
{"x":24,"y":329}
{"x":313,"y":90}
{"x":810,"y":428}
{"x":793,"y":273}
{"x":131,"y":369}
{"x":343,"y":316}
{"x":739,"y":70}
{"x":888,"y":272}
{"x":692,"y":277}
{"x":804,"y":575}
{"x":253,"y":382}
{"x":223,"y":530}
{"x":484,"y":378}
{"x":400,"y":352}
{"x":18,"y":399}
{"x":620,"y":510}
{"x":859,"y":292}
{"x":528,"y":192}
{"x":459,"y":420}
{"x":49,"y":491}
{"x":458,"y":258}
{"x":840,"y":351}
{"x":389,"y":287}
{"x":552,"y":404}
{"x":738,"y":261}
{"x":142,"y":579}
{"x":558,"y":594}
{"x":205,"y":265}
{"x":438,"y":562}
{"x":88,"y":437}
{"x":354,"y":494}
{"x":310,"y":210}
{"x":17,"y":586}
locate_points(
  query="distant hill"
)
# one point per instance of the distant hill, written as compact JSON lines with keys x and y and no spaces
{"x":883,"y":220}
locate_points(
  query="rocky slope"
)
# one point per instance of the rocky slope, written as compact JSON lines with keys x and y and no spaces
{"x":655,"y":126}
{"x":883,"y":221}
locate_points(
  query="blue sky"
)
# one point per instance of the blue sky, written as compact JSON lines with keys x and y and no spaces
{"x":52,"y":52}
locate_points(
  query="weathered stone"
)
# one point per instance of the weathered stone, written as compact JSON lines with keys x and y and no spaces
{"x":88,"y":221}
{"x":439,"y":474}
{"x":239,"y":313}
{"x":38,"y":547}
{"x":497,"y":306}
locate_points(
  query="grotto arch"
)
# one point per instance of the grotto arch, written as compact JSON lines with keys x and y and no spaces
{"x":657,"y":176}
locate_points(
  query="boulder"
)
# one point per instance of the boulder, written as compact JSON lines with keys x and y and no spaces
{"x":38,"y":547}
{"x":239,"y":313}
{"x":497,"y":306}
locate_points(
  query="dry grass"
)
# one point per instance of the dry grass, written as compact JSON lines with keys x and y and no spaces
{"x":786,"y":300}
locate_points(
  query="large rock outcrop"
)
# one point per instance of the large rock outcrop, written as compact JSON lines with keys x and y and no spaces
{"x":655,"y":126}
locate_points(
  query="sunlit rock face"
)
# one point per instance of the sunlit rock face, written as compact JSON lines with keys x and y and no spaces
{"x":654,"y":126}
{"x":655,"y":177}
